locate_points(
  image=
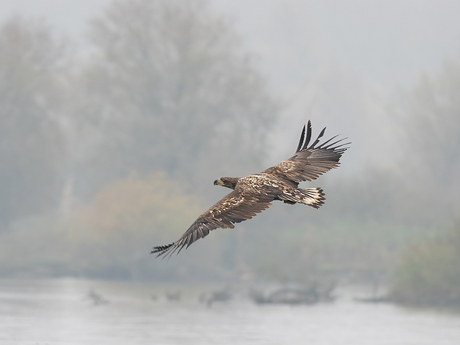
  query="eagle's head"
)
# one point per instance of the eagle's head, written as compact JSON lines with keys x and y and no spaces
{"x":229,"y":182}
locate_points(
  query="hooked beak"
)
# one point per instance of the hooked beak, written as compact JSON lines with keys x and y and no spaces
{"x":218,"y":182}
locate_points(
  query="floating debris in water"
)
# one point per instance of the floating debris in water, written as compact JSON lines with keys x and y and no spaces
{"x":294,"y":295}
{"x":173,"y":296}
{"x":209,"y":298}
{"x":96,"y":298}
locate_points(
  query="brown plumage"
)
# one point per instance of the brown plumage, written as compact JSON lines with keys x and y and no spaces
{"x":254,"y":193}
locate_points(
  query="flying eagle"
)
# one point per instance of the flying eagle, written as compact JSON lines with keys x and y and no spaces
{"x":254,"y":193}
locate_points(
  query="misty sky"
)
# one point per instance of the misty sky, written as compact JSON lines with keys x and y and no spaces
{"x":331,"y":60}
{"x":390,"y":42}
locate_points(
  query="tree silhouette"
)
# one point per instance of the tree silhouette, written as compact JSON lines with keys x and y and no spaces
{"x":30,"y":141}
{"x":170,"y":87}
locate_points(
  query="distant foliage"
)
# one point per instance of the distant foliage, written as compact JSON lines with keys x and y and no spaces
{"x":150,"y":204}
{"x":428,"y":273}
{"x":121,"y":224}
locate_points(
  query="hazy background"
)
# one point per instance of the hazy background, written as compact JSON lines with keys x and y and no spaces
{"x":117,"y":117}
{"x":314,"y":54}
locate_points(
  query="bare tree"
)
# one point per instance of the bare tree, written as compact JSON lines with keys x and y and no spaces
{"x":30,"y":142}
{"x":171,"y":88}
{"x":430,"y":116}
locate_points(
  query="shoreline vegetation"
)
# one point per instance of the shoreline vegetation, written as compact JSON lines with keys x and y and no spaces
{"x":110,"y":239}
{"x":428,"y":272}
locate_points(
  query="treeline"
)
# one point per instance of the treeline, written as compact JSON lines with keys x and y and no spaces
{"x":162,"y":86}
{"x":107,"y":152}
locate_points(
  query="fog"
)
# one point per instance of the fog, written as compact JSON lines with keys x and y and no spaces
{"x":370,"y":49}
{"x":118,"y":116}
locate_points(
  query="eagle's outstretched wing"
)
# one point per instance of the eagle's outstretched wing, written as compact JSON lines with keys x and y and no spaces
{"x":309,"y":162}
{"x":235,"y":207}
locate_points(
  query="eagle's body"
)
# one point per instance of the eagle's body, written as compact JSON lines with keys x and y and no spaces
{"x":254,"y":193}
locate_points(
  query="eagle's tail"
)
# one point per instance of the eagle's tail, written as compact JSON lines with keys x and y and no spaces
{"x":313,"y":197}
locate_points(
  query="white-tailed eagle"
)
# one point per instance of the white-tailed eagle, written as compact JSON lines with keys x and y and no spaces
{"x":254,"y":193}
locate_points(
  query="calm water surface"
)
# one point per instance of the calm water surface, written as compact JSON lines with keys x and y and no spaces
{"x":61,"y":312}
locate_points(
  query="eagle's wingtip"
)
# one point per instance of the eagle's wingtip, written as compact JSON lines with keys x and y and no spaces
{"x":161,"y":249}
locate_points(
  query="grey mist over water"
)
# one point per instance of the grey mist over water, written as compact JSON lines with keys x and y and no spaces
{"x":60,"y":312}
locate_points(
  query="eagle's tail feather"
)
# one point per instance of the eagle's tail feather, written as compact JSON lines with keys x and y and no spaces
{"x":313,"y":197}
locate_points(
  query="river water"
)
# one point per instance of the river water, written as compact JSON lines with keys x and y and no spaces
{"x":70,"y":311}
